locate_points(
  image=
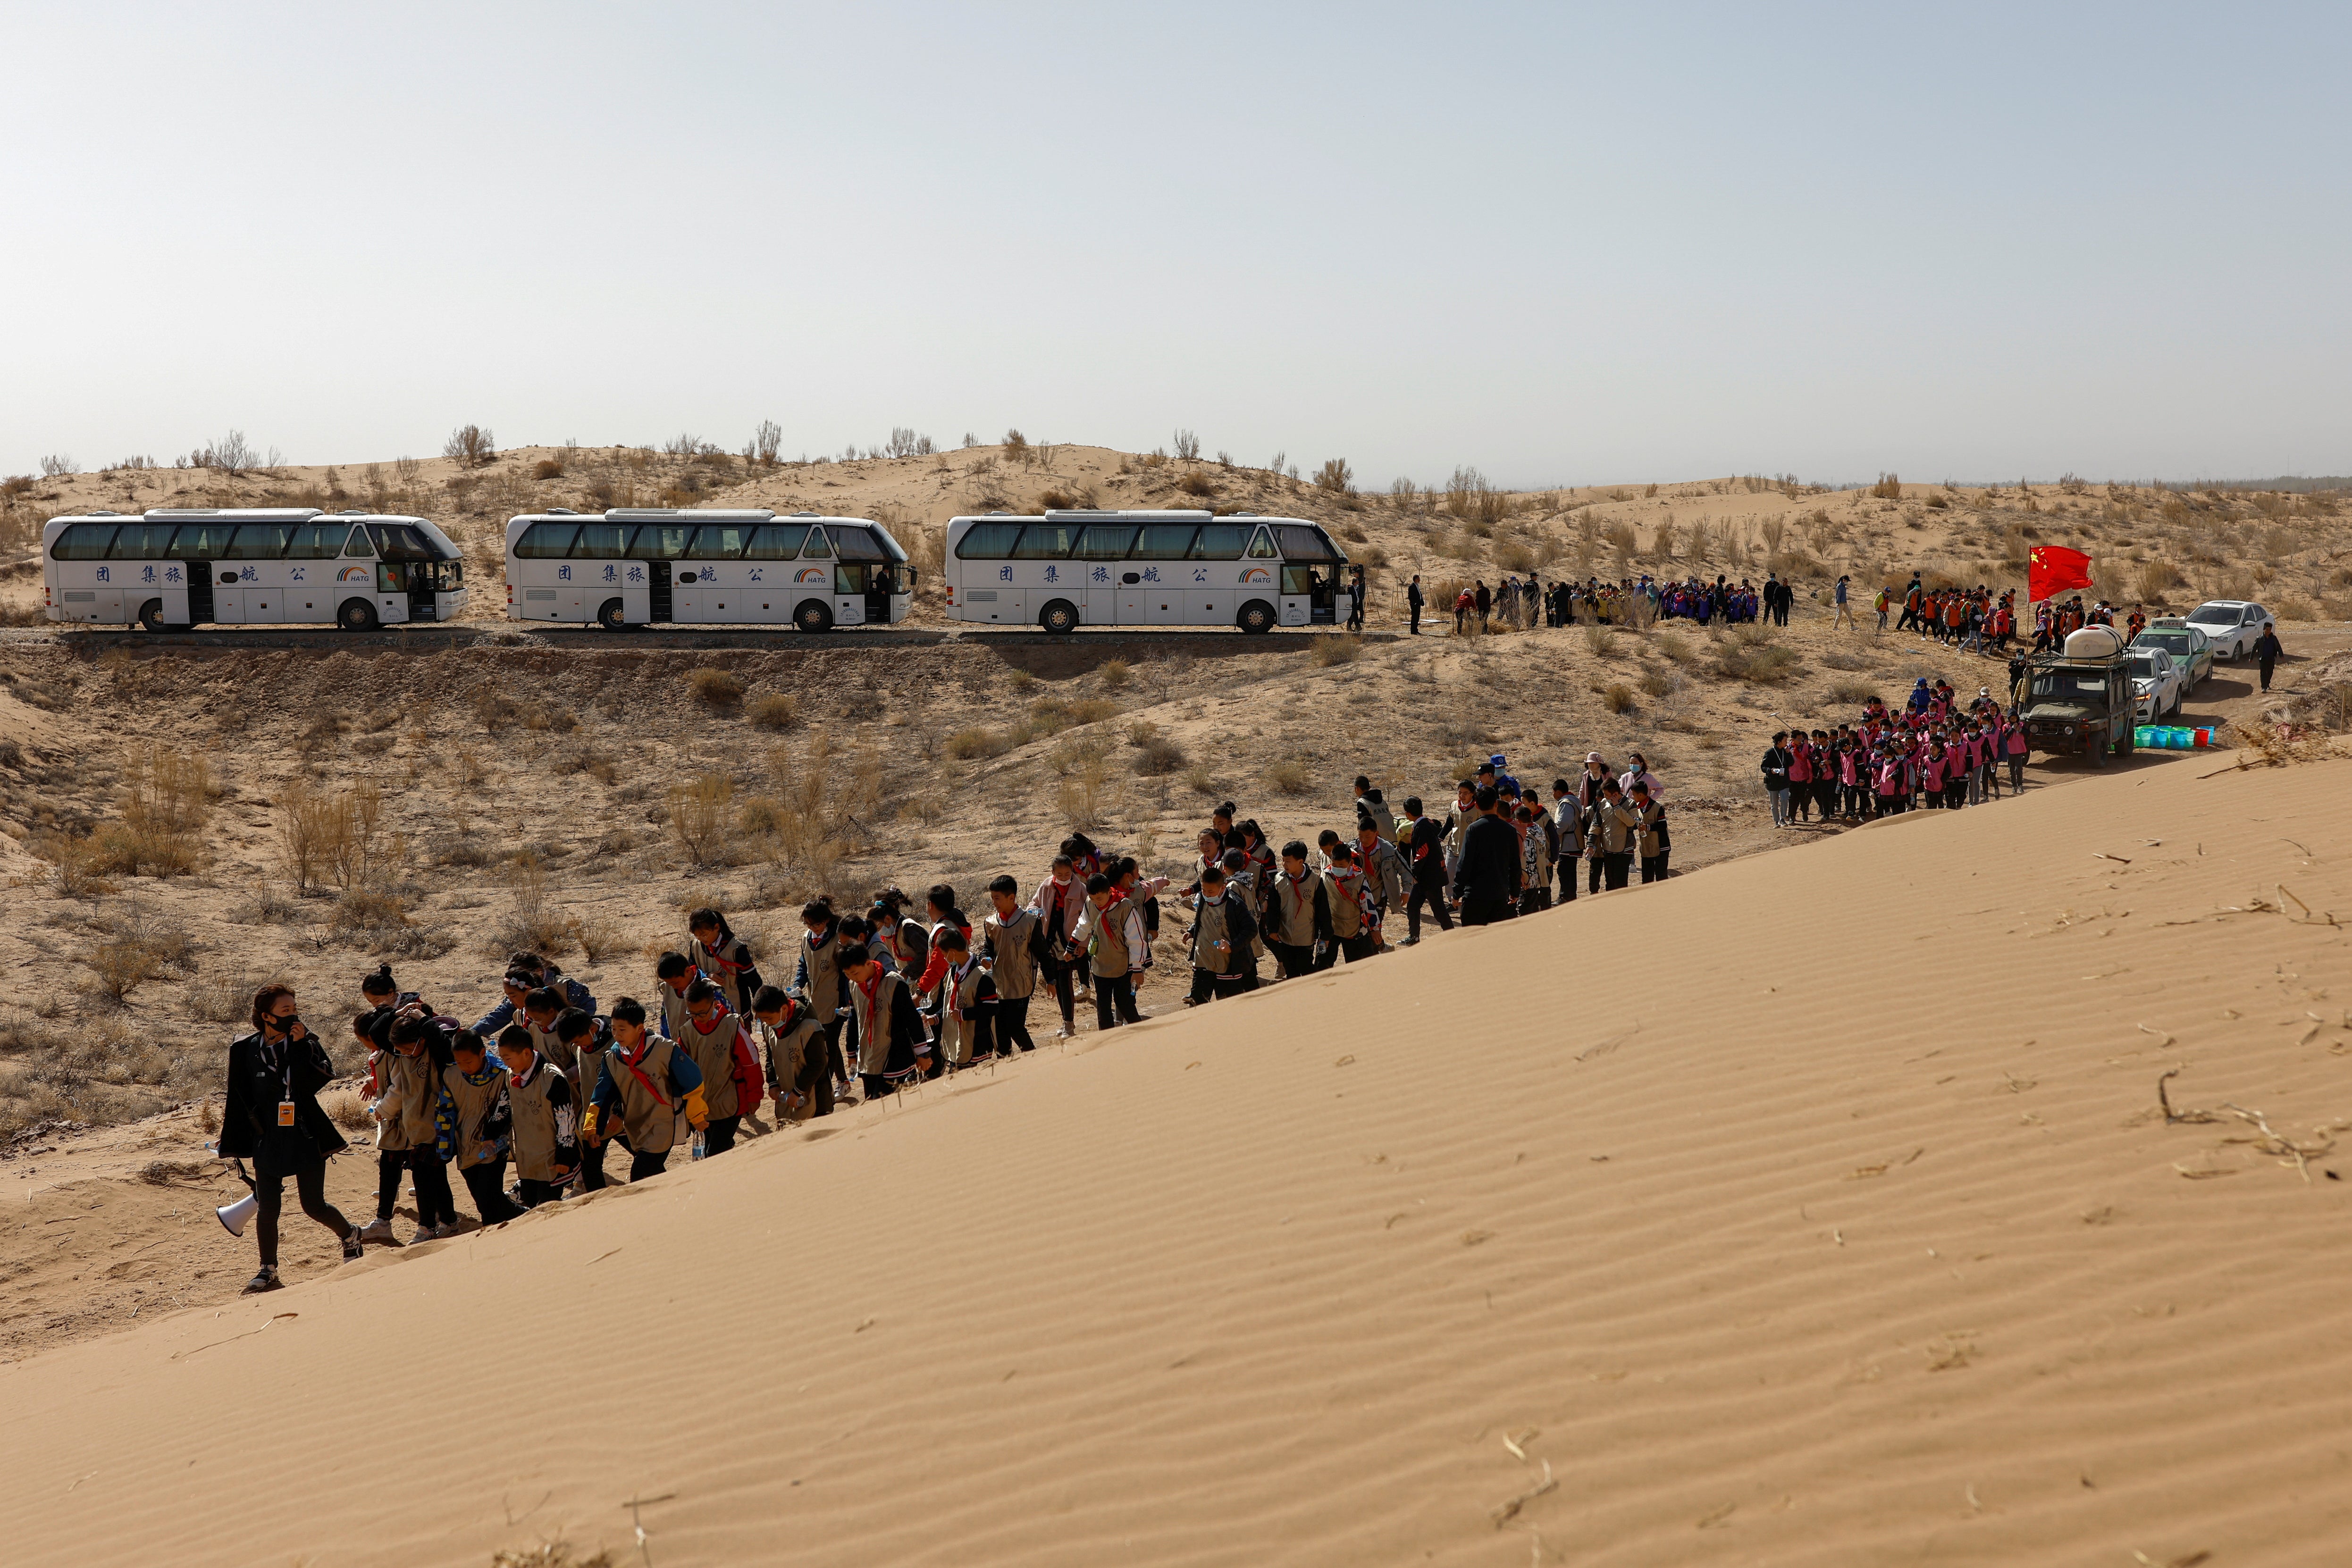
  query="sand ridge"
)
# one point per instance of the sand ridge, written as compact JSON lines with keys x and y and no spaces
{"x":1858,"y":1241}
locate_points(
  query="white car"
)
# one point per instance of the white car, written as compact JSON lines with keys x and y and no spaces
{"x":2156,"y":684}
{"x":2232,"y":625}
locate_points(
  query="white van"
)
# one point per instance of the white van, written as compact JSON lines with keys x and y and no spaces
{"x":1063,"y":571}
{"x":262,"y":565}
{"x":659,"y":565}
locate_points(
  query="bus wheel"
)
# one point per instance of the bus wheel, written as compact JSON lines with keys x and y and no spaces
{"x":356,"y":615}
{"x":610,"y":617}
{"x":1060,"y":618}
{"x":150,"y":615}
{"x":1257,"y":618}
{"x":815,"y":616}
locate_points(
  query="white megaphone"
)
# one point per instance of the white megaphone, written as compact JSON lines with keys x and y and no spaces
{"x":233,"y":1215}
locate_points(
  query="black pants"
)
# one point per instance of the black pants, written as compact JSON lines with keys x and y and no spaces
{"x":1115,"y":1001}
{"x":1416,"y":620}
{"x":1432,"y":892}
{"x":1292,"y":961}
{"x":436,"y":1204}
{"x":643,"y":1164}
{"x":535,"y":1192}
{"x":1534,"y":898}
{"x":1355,"y":949}
{"x":1616,"y":868}
{"x":1012,"y":1025}
{"x":592,"y":1166}
{"x":1568,"y":882}
{"x":1208,"y":985}
{"x":836,"y":1063}
{"x":2267,"y":664}
{"x":719,"y":1134}
{"x":1485,"y":908}
{"x":1654,"y":868}
{"x":488,"y":1183}
{"x":1067,"y":978}
{"x":270,"y":1199}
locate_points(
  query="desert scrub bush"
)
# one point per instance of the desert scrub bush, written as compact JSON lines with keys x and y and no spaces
{"x":528,"y":926}
{"x":2155,"y":580}
{"x":715,"y":688}
{"x":1290,"y":778}
{"x":1158,"y":756}
{"x":222,"y":996}
{"x":1342,"y":648}
{"x":1750,"y":654}
{"x":548,"y":468}
{"x":974,"y":744}
{"x":697,"y":816}
{"x":1601,"y":641}
{"x":1514,"y":557}
{"x":777,"y":711}
{"x":599,"y":939}
{"x":1199,"y":780}
{"x":1617,"y":697}
{"x":1660,"y":683}
{"x":1054,"y":715}
{"x":1888,"y":489}
{"x":1115,"y":675}
{"x":1674,"y":646}
{"x":1080,"y":798}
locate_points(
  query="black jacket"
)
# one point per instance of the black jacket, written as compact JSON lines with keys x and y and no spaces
{"x":258,"y":1078}
{"x":1490,"y":861}
{"x":1777,"y":759}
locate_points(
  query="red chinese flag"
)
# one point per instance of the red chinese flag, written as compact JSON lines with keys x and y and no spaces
{"x":2052,"y":569}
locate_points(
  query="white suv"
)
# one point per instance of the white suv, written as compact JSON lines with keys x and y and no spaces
{"x":2231,"y":625}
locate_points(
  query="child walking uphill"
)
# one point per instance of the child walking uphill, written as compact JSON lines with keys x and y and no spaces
{"x":646,"y":1078}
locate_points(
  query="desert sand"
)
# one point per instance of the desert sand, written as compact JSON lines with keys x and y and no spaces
{"x":1816,"y":1208}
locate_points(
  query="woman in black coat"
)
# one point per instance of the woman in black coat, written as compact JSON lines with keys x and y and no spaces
{"x":272,"y":1117}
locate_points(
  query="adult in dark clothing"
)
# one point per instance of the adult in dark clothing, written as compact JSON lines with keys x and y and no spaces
{"x":1485,"y":602}
{"x":1412,"y":602}
{"x":2267,"y":651}
{"x":1423,"y":848}
{"x":271,"y":1116}
{"x":1778,"y":760}
{"x":1488,"y":879}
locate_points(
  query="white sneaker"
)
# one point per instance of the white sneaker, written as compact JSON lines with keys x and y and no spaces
{"x":425,"y":1233}
{"x":1061,"y":1034}
{"x":443,"y":1233}
{"x":378,"y":1231}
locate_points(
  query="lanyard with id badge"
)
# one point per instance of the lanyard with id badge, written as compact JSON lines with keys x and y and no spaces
{"x":284,"y":1067}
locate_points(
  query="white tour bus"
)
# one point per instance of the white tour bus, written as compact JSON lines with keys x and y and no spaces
{"x":1067,"y":569}
{"x":259,"y":567}
{"x":632,"y":567}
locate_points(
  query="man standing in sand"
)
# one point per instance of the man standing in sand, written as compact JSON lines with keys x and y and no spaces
{"x":1778,"y":760}
{"x":1412,"y":602}
{"x":1487,"y":882}
{"x":2267,"y":651}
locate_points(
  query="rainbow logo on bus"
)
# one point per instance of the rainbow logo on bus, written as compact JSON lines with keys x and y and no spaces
{"x":811,"y":574}
{"x":353,"y":574}
{"x":1257,"y":574}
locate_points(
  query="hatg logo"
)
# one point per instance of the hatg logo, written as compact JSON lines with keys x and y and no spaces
{"x":811,"y":574}
{"x":353,"y":574}
{"x":1257,"y":574}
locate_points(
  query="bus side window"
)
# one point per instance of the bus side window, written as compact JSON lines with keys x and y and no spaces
{"x":1298,"y":580}
{"x":819,"y":547}
{"x":1262,"y":545}
{"x":83,"y":541}
{"x":357,"y":545}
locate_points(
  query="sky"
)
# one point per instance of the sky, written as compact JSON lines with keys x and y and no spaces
{"x":1563,"y":244}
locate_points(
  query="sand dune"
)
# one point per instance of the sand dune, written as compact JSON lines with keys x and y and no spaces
{"x":1810,"y":1209}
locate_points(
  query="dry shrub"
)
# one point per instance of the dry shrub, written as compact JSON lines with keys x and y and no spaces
{"x":715,"y":688}
{"x":1888,"y":489}
{"x":1115,"y":675}
{"x":1197,"y":483}
{"x":1290,"y":778}
{"x":1750,"y":654}
{"x":1199,"y":780}
{"x":222,"y":996}
{"x":1051,"y":715}
{"x":528,"y":926}
{"x":698,"y":815}
{"x":548,"y":468}
{"x":973,"y":744}
{"x":1661,"y":683}
{"x":1081,"y":796}
{"x":1158,"y":756}
{"x":799,"y":830}
{"x":777,"y":710}
{"x":1674,"y":646}
{"x":1617,"y":697}
{"x":1852,"y":692}
{"x":548,"y":1555}
{"x":348,"y":1109}
{"x":1601,"y":641}
{"x":599,"y":939}
{"x":1514,"y":557}
{"x":1342,"y":648}
{"x":137,"y":946}
{"x":2156,"y":579}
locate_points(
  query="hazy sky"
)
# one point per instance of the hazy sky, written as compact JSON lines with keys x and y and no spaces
{"x":1565,"y":244}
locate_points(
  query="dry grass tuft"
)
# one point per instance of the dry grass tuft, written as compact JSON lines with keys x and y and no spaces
{"x":1617,"y":697}
{"x":975,"y":744}
{"x":777,"y":710}
{"x":717,"y":689}
{"x":1344,"y":648}
{"x":1289,"y":777}
{"x":698,"y":816}
{"x":1750,"y":654}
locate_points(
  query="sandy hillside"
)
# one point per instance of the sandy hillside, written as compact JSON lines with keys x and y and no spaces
{"x":1864,"y":1241}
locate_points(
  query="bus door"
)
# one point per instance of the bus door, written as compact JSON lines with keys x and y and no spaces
{"x":1322,"y":609}
{"x":853,"y":590}
{"x":1299,"y":597}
